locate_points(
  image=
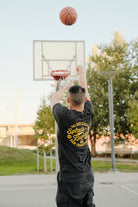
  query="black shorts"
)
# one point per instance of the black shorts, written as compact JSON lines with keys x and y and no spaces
{"x":63,"y":200}
{"x":75,"y":191}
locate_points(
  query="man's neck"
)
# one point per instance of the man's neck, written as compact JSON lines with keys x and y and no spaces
{"x":77,"y":108}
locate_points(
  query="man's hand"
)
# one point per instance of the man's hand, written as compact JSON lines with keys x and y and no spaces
{"x":79,"y":69}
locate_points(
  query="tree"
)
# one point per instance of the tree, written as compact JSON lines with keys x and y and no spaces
{"x":133,"y":102}
{"x":45,"y":127}
{"x":118,"y":56}
{"x":133,"y":115}
{"x":98,"y":91}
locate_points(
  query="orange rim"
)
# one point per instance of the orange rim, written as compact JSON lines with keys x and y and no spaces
{"x":60,"y":74}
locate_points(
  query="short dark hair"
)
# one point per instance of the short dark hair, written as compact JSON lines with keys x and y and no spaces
{"x":77,"y":94}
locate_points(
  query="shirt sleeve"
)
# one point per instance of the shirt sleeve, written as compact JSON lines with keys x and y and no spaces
{"x":59,"y":111}
{"x":88,"y":106}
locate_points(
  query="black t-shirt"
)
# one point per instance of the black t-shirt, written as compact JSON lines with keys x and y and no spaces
{"x":72,"y":132}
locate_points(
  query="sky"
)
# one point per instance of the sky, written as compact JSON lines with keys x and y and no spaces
{"x":22,"y":21}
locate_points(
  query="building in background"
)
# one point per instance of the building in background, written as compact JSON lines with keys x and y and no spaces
{"x":21,"y":137}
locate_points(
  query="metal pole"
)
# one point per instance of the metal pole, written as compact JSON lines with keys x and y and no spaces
{"x":37,"y":153}
{"x":57,"y":159}
{"x":16,"y":124}
{"x":51,"y":160}
{"x":111,"y":121}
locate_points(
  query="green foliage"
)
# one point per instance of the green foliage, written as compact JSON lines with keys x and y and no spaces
{"x":133,"y":114}
{"x":120,"y":57}
{"x":45,"y":126}
{"x":98,"y":90}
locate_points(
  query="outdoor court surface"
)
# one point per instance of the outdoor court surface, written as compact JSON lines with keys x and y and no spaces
{"x":112,"y":189}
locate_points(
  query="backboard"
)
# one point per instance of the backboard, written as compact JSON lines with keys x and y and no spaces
{"x":57,"y":55}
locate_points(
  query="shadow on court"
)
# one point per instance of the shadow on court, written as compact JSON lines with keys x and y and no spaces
{"x":112,"y":189}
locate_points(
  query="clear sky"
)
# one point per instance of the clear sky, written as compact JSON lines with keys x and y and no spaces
{"x":22,"y":21}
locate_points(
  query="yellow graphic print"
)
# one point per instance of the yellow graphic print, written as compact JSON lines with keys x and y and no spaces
{"x":78,"y":133}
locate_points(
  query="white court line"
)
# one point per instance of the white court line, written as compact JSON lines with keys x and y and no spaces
{"x":113,"y":185}
{"x":128,"y":189}
{"x":26,"y":188}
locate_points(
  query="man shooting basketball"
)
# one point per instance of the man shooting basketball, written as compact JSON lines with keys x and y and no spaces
{"x":75,"y":177}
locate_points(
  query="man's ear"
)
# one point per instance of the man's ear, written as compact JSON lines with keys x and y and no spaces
{"x":68,"y":101}
{"x":85,"y":99}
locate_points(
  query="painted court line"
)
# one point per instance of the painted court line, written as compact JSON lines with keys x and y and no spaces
{"x":26,"y":188}
{"x":128,"y":189}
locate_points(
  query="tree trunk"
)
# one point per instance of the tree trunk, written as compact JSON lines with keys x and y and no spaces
{"x":45,"y":165}
{"x":93,"y":145}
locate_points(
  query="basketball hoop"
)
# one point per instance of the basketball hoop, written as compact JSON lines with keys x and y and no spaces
{"x":60,"y":74}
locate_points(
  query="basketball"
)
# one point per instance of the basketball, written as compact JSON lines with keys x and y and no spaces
{"x":68,"y":16}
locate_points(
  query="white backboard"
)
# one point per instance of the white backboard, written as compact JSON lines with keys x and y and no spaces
{"x":57,"y":55}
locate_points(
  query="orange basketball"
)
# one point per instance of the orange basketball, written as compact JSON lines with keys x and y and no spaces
{"x":68,"y":16}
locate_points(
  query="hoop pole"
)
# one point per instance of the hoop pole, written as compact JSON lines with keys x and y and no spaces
{"x":111,"y":122}
{"x":37,"y":152}
{"x":57,"y":158}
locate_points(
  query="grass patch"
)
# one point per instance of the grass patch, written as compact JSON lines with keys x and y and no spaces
{"x":101,"y":166}
{"x":105,"y":166}
{"x":127,"y":167}
{"x":17,"y":161}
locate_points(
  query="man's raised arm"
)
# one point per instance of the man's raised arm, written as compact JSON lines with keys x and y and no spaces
{"x":58,"y":95}
{"x":82,"y":79}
